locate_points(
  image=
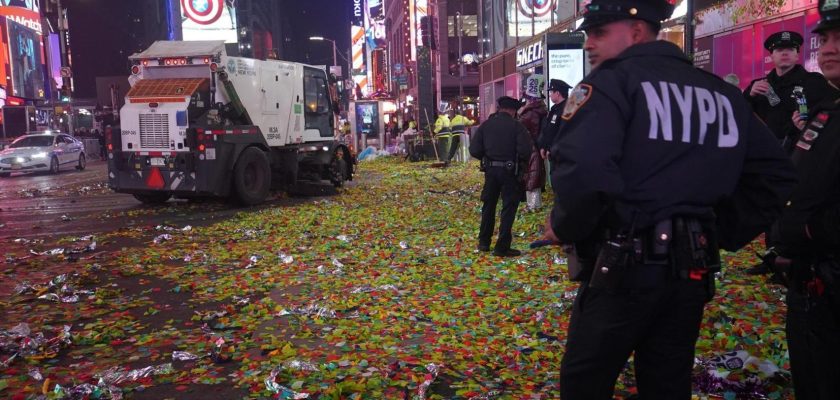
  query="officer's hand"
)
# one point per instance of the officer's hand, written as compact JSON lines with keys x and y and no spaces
{"x":544,"y":154}
{"x":798,"y":121}
{"x":760,"y":88}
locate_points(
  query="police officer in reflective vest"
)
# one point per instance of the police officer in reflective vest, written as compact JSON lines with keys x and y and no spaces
{"x":558,"y":91}
{"x":806,"y":238}
{"x":458,"y":125}
{"x":501,"y":143}
{"x":443,"y":134}
{"x":656,"y":165}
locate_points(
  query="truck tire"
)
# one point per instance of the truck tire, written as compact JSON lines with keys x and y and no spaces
{"x":251,"y":177}
{"x":152,"y":198}
{"x":338,"y":171}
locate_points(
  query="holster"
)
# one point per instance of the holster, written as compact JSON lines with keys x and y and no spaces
{"x":695,"y":252}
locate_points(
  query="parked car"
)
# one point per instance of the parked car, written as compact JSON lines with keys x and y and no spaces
{"x":47,"y":151}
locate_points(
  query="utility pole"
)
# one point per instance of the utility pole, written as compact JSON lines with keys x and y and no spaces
{"x":459,"y":25}
{"x":689,"y":28}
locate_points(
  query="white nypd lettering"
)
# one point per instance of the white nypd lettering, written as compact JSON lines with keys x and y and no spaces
{"x":712,"y":108}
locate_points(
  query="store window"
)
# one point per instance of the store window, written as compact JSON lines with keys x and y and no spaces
{"x":469,"y":24}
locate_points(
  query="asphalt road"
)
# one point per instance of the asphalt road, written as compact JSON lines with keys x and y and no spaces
{"x":46,"y":206}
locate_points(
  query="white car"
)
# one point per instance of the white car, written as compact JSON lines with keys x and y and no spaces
{"x":42,"y":152}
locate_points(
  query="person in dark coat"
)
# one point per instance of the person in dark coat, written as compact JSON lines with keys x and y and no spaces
{"x":648,"y":189}
{"x":501,"y":143}
{"x":558,"y":91}
{"x":772,"y":97}
{"x":806,"y":239}
{"x":532,"y":116}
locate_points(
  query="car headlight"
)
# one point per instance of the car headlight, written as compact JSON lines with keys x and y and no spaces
{"x":40,"y":155}
{"x":20,"y":159}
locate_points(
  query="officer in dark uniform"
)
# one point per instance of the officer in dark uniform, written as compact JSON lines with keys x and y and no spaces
{"x":558,"y":91}
{"x":806,"y":238}
{"x":772,"y":97}
{"x":656,"y":166}
{"x":503,"y":144}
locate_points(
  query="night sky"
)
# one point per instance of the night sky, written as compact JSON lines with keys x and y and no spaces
{"x":103,"y":33}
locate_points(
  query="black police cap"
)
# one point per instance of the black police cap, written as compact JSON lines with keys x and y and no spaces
{"x":783,"y":40}
{"x":829,"y":15}
{"x":600,"y":12}
{"x":508,"y":103}
{"x":558,"y":85}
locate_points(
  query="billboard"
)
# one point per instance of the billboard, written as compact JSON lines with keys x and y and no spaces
{"x":22,"y":69}
{"x":26,"y":61}
{"x":208,"y":20}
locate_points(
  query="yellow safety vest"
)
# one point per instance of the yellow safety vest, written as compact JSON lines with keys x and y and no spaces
{"x":442,"y":126}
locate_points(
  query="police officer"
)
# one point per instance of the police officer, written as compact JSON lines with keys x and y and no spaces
{"x":443,"y":133}
{"x":772,"y":97}
{"x":650,"y":151}
{"x":502,"y":143}
{"x":807,"y":236}
{"x":458,"y":125}
{"x":558,"y":91}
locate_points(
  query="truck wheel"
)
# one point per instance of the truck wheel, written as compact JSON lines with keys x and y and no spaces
{"x":252,"y":177}
{"x":82,"y":162}
{"x":53,"y":165}
{"x":152,"y":198}
{"x":338,"y":170}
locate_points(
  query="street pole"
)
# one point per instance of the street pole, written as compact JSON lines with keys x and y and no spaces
{"x":689,"y":28}
{"x":335,"y":60}
{"x":458,"y":26}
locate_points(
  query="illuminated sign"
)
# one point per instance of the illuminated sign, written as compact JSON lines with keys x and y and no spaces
{"x":208,"y":20}
{"x":357,"y":8}
{"x":27,"y":16}
{"x":529,"y":54}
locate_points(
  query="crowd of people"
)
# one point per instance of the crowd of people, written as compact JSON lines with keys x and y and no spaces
{"x":655,"y":167}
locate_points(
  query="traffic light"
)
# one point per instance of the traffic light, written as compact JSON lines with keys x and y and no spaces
{"x":65,"y":94}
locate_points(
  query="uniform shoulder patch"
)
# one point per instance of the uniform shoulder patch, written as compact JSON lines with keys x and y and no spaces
{"x":577,"y":98}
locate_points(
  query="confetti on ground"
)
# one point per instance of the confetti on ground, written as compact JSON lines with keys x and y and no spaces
{"x":376,"y":293}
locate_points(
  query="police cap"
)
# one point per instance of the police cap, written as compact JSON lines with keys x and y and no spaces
{"x":558,"y":85}
{"x":508,"y":103}
{"x":829,"y":15}
{"x":783,"y":40}
{"x":600,"y":12}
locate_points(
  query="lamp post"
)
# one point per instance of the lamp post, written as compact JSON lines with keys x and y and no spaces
{"x":321,"y":39}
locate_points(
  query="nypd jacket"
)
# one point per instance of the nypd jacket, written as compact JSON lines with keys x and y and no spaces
{"x":501,"y":138}
{"x":810,"y":223}
{"x":551,"y":126}
{"x":646,"y":136}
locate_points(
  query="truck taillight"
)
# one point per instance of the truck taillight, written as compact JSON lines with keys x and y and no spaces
{"x":214,"y":67}
{"x":135,"y":69}
{"x":207,"y":60}
{"x":201,"y":147}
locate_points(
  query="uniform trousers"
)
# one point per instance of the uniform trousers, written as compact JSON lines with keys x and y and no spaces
{"x":813,"y":336}
{"x":656,"y":319}
{"x":454,"y":145}
{"x":443,"y":146}
{"x":499,"y":182}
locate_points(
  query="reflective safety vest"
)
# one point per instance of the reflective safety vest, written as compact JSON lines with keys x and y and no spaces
{"x":442,"y":126}
{"x":459,"y":124}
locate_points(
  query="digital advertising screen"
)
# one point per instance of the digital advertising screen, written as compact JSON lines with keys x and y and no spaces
{"x":25,"y":61}
{"x":208,"y":20}
{"x":566,"y":58}
{"x":367,"y":118}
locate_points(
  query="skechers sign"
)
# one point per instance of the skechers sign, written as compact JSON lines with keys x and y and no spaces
{"x":357,"y":8}
{"x":530,"y":54}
